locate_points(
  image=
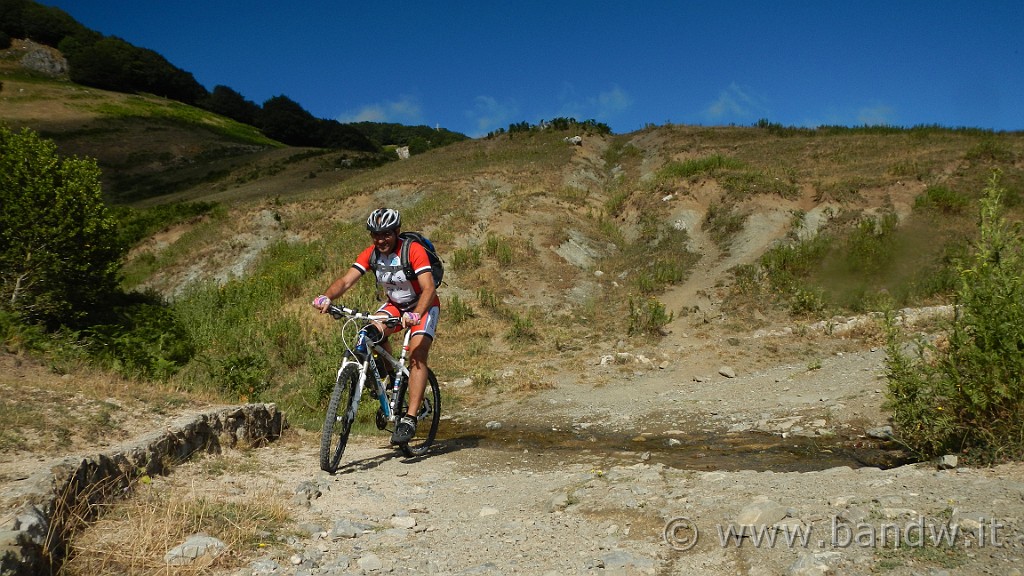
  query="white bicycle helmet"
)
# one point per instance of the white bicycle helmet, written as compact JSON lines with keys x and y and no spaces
{"x":383,"y":220}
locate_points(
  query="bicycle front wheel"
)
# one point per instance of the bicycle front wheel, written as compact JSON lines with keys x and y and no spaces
{"x":427,"y":417}
{"x":341,"y":412}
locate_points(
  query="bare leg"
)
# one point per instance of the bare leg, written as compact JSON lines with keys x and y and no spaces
{"x":419,"y":348}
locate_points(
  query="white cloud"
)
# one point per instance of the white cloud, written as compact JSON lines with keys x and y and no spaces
{"x":602,"y":107}
{"x":875,"y":116}
{"x":405,"y":110}
{"x":488,"y":113}
{"x":734,"y":104}
{"x":612,"y":102}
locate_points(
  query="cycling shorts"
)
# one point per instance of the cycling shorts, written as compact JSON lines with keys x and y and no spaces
{"x":428,"y":322}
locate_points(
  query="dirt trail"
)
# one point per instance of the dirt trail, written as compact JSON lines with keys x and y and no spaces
{"x":582,"y":480}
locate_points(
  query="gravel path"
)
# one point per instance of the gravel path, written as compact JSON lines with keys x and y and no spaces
{"x":611,"y":471}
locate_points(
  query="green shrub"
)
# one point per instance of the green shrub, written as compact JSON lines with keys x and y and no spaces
{"x":500,"y":249}
{"x":807,"y":301}
{"x":464,"y":259}
{"x":616,"y":203}
{"x":870,"y":246}
{"x":488,"y":299}
{"x":244,"y":375}
{"x":722,"y":223}
{"x":144,"y":340}
{"x":941,"y":199}
{"x":647,"y":316}
{"x":967,"y":396}
{"x":747,"y":183}
{"x":907,"y":169}
{"x":135,"y":225}
{"x":457,"y":310}
{"x":990,"y":151}
{"x":786,"y":265}
{"x":521,"y":331}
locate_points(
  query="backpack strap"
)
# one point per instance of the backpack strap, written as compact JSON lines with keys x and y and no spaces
{"x":410,"y":274}
{"x":374,"y":258}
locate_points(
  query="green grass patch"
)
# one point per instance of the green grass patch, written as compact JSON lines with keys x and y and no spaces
{"x":710,"y":166}
{"x":143,"y":107}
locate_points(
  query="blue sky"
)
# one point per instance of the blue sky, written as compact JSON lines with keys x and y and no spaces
{"x":476,"y":66}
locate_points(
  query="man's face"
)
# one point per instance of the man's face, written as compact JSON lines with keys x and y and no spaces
{"x":384,"y":242}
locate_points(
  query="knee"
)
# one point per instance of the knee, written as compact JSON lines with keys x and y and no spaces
{"x":418,"y":360}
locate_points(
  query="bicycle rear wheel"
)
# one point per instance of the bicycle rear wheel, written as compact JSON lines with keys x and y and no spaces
{"x":427,"y":417}
{"x":337,"y":427}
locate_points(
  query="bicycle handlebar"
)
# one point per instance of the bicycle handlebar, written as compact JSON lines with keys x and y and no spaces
{"x":339,"y":312}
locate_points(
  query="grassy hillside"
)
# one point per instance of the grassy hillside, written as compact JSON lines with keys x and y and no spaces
{"x":154,"y":150}
{"x":556,"y":253}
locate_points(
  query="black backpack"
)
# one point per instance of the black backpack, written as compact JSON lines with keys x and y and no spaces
{"x":436,"y":264}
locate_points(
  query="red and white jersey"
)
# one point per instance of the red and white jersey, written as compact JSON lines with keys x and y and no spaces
{"x":391,"y":275}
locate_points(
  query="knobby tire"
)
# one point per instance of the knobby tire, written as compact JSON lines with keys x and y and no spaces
{"x":334,"y":435}
{"x":426,"y":427}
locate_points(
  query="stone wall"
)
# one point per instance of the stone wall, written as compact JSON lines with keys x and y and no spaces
{"x":55,"y":499}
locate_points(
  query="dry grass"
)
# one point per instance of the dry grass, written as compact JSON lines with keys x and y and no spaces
{"x":57,"y":409}
{"x":133,"y":535}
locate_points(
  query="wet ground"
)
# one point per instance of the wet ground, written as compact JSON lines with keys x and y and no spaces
{"x":692,"y":451}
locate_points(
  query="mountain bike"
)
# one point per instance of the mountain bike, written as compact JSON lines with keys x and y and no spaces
{"x":366,"y":365}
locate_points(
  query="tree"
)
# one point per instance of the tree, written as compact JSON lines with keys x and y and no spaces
{"x":285,"y":120}
{"x":59,"y":253}
{"x":48,"y":25}
{"x":115,"y":64}
{"x":228,"y":102}
{"x":12,"y":17}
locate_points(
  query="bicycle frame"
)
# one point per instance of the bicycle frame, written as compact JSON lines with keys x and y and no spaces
{"x":366,"y":353}
{"x":369,"y":369}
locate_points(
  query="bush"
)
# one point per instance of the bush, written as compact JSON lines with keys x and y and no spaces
{"x":59,"y":248}
{"x":870,"y":246}
{"x":144,"y":340}
{"x":723,"y":223}
{"x":458,"y":310}
{"x":647,"y":316}
{"x":521,"y":331}
{"x":941,"y":199}
{"x":967,"y":395}
{"x":244,"y":375}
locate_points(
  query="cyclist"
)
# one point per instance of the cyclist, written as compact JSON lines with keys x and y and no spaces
{"x":413,"y":299}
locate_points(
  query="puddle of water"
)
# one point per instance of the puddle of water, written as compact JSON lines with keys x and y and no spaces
{"x":693,"y":451}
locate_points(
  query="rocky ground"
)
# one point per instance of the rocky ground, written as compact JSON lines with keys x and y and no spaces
{"x":711,"y":451}
{"x":691,"y":457}
{"x":715,"y":450}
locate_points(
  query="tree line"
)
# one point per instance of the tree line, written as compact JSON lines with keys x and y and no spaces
{"x":111,"y":63}
{"x":560,"y":124}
